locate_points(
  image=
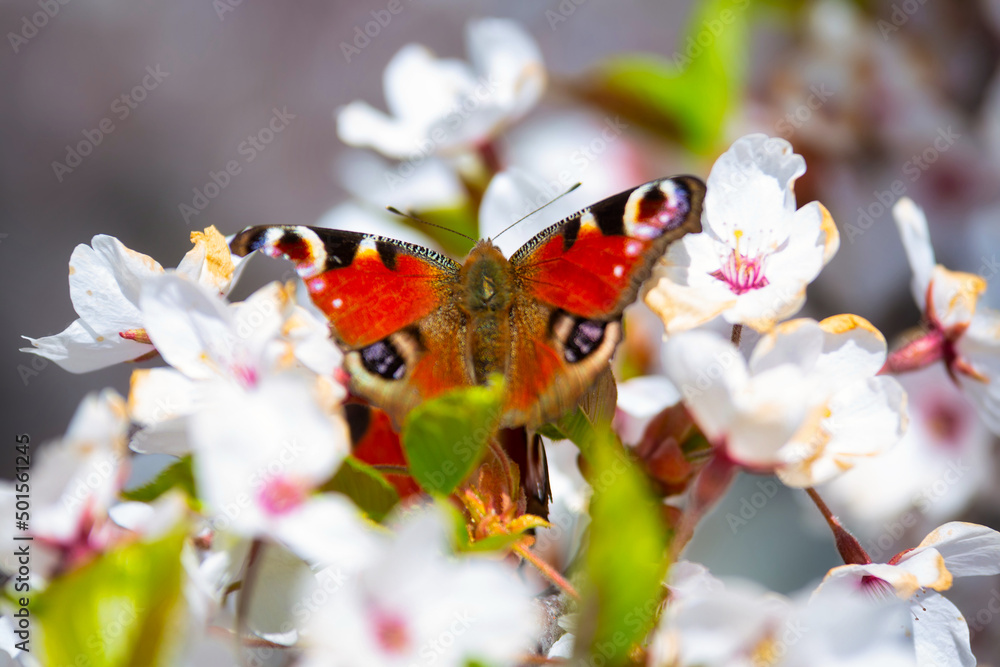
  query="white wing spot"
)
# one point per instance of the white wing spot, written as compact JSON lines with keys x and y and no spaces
{"x":337,"y":303}
{"x":619,"y":271}
{"x":633,"y":248}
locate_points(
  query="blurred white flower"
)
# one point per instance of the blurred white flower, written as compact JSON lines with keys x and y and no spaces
{"x":738,"y":624}
{"x":13,"y":656}
{"x":212,"y":344}
{"x":943,"y":460}
{"x":105,"y":281}
{"x":639,"y":400}
{"x":375,"y":183}
{"x":939,"y":629}
{"x":808,"y":406}
{"x":756,"y":254}
{"x":73,"y":483}
{"x":261,"y":452}
{"x":412,"y":603}
{"x":967,"y":339}
{"x":560,"y":542}
{"x":448,"y":106}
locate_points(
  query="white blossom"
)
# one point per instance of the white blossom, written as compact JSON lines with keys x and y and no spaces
{"x":105,"y":281}
{"x":756,"y":254}
{"x":808,"y":406}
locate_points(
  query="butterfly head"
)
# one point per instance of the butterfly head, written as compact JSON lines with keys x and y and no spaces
{"x":487,"y":279}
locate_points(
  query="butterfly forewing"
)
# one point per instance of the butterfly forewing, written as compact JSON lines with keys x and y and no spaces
{"x":367,"y":286}
{"x":593,"y":263}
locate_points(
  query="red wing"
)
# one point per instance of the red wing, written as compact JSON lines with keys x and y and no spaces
{"x":368,"y":286}
{"x":593,"y":263}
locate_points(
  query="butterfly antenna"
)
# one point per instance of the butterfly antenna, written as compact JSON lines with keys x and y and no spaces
{"x":551,"y":201}
{"x":410,"y":216}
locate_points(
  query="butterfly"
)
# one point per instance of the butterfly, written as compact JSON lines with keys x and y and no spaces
{"x":414,"y":324}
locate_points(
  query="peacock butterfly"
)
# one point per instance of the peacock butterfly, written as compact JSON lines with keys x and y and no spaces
{"x":414,"y":323}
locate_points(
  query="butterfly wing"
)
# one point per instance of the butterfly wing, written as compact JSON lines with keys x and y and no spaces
{"x":385,"y":300}
{"x":575,"y":280}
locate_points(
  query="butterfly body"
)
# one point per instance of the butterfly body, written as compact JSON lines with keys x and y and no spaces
{"x":414,"y":324}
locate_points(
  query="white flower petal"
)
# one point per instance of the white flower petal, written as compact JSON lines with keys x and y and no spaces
{"x":852,"y":347}
{"x":158,"y":394}
{"x":912,"y":226}
{"x":352,"y":217}
{"x":968,"y":549}
{"x":507,"y":56}
{"x":707,"y":370}
{"x":360,"y":124}
{"x":953,"y":297}
{"x":798,"y":342}
{"x":420,"y":88}
{"x":941,"y":634}
{"x":190,"y":328}
{"x":639,"y":400}
{"x":980,"y":347}
{"x":80,"y":349}
{"x":274,"y":430}
{"x":329,"y":530}
{"x":510,"y":196}
{"x":860,"y":421}
{"x":81,"y":473}
{"x":210,"y":262}
{"x":428,"y":185}
{"x":105,"y":281}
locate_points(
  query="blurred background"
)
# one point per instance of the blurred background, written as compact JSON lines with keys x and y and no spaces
{"x":880,"y":97}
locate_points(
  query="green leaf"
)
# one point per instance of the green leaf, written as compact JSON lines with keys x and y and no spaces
{"x":444,"y":438}
{"x":178,"y":474}
{"x":692,"y":94}
{"x":626,"y":555}
{"x":365,"y":486}
{"x":122,"y":609}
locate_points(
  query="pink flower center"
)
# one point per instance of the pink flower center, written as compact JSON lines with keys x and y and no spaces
{"x":391,"y":632}
{"x":877,"y":588}
{"x":946,"y":422}
{"x":742,"y":273}
{"x":280,"y":495}
{"x":246,"y":375}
